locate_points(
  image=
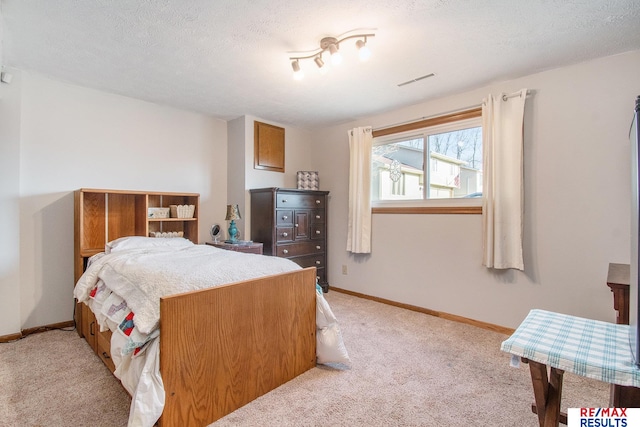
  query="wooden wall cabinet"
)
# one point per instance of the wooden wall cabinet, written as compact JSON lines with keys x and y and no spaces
{"x":105,"y":215}
{"x":268,"y":147}
{"x":292,"y":224}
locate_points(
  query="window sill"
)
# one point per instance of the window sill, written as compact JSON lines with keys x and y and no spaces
{"x":452,"y":207}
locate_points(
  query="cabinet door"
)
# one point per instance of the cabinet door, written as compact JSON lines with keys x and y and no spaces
{"x":301,"y":225}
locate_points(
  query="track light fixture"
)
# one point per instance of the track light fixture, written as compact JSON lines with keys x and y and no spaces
{"x":297,"y":72}
{"x":363,"y":51}
{"x":331,"y":45}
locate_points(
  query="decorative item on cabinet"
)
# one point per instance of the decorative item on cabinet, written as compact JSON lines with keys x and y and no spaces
{"x":292,"y":223}
{"x":233,"y":213}
{"x":308,"y":180}
{"x":158,"y":213}
{"x":182,"y":211}
{"x":215,"y":232}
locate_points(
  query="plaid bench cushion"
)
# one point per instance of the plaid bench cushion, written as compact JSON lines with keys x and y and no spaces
{"x":585,"y":347}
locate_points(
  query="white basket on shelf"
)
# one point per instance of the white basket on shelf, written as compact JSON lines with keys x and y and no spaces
{"x":166,"y":234}
{"x":182,"y":211}
{"x":158,"y":213}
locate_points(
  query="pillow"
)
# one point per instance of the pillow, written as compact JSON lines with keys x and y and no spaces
{"x":140,"y":242}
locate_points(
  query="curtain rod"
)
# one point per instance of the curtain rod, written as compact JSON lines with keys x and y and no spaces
{"x":512,"y":95}
{"x":504,"y":98}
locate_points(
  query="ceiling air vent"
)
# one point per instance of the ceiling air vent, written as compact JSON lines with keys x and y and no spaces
{"x":416,"y":79}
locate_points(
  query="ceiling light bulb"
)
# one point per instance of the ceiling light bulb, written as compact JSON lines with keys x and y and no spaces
{"x":297,"y":72}
{"x":324,"y":68}
{"x":336,"y":57}
{"x":363,"y":51}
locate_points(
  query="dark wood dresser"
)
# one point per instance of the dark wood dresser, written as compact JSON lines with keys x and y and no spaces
{"x":292,"y":224}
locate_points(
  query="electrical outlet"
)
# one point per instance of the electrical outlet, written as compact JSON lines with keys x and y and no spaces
{"x":344,"y":269}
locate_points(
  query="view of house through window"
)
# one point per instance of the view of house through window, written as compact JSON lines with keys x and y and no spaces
{"x":439,"y":162}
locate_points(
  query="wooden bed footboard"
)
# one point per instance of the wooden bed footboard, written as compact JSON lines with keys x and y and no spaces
{"x":223,"y":347}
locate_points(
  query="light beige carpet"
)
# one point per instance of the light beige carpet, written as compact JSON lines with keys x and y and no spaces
{"x":54,"y":379}
{"x":408,"y":369}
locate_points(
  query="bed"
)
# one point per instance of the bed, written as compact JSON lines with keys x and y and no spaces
{"x":215,"y":349}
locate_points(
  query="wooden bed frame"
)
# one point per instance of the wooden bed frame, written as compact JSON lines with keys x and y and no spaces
{"x":220,"y":348}
{"x":223,"y":347}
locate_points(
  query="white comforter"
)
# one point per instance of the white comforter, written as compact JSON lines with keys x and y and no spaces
{"x":142,"y":276}
{"x":123,"y":288}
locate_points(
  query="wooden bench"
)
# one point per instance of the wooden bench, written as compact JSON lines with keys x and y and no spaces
{"x":554,"y":343}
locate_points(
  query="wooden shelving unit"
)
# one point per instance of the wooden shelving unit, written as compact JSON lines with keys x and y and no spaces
{"x":105,"y":215}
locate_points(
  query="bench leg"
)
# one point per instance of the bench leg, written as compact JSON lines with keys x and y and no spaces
{"x":547,"y":390}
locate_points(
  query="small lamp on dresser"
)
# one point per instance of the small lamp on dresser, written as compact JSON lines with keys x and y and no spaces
{"x":233,"y":213}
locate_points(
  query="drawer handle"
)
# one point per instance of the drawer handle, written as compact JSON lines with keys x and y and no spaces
{"x":318,"y":247}
{"x":91,"y":328}
{"x":318,"y":263}
{"x":285,"y":251}
{"x":284,"y":200}
{"x":105,"y":355}
{"x":318,"y":202}
{"x":317,"y":231}
{"x":285,"y":217}
{"x":295,"y":225}
{"x":285,"y":234}
{"x":317,"y":216}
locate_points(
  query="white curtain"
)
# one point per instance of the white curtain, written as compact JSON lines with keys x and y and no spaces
{"x":503,"y":194}
{"x":359,"y":228}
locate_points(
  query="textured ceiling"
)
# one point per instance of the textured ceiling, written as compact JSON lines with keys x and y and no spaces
{"x":227,"y":58}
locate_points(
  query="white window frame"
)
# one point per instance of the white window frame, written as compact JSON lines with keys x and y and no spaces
{"x":453,"y":205}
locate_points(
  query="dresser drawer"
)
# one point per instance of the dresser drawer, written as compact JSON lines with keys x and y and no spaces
{"x":286,"y":200}
{"x":298,"y":249}
{"x":317,"y":261}
{"x":104,"y":349}
{"x":89,"y":326}
{"x":317,"y":231}
{"x":284,"y":217}
{"x":318,"y":215}
{"x":284,"y":234}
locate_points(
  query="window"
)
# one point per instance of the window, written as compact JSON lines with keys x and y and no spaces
{"x":438,"y":158}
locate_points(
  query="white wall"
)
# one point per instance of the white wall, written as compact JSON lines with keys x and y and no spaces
{"x":576,"y":206}
{"x":72,"y":137}
{"x":56,"y":138}
{"x":236,"y":177}
{"x":243,"y":176}
{"x":10,"y":206}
